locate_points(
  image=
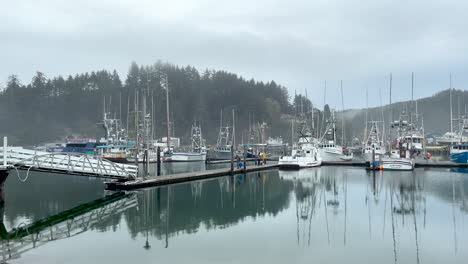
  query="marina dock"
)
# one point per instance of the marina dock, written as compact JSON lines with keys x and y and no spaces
{"x":182,"y":177}
{"x":443,"y":164}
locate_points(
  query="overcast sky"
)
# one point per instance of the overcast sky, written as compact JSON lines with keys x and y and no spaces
{"x":299,"y":44}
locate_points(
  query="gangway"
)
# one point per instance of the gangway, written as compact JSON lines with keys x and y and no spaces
{"x":68,"y":163}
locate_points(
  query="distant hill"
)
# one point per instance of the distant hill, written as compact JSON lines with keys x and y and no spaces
{"x":434,"y":110}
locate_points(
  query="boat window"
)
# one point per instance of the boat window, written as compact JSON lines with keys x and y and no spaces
{"x":308,"y":151}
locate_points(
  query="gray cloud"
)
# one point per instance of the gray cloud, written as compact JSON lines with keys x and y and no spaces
{"x":299,"y":44}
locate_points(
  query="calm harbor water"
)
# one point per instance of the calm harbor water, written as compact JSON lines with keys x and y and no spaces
{"x":320,"y":215}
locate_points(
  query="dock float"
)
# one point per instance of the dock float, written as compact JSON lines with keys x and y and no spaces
{"x":440,"y":165}
{"x":344,"y":163}
{"x":182,"y":177}
{"x":417,"y":164}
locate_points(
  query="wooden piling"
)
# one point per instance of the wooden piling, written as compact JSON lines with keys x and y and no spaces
{"x":158,"y":161}
{"x":232,"y":159}
{"x":245,"y":159}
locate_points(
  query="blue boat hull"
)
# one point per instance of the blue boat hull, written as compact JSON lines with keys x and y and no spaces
{"x":459,"y":157}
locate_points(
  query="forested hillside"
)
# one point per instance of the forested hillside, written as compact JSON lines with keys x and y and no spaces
{"x":50,"y":109}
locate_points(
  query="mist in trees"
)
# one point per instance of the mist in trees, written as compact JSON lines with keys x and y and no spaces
{"x":52,"y":109}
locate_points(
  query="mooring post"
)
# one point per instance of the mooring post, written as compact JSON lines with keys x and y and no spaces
{"x":232,"y":159}
{"x":5,"y":144}
{"x":245,"y":160}
{"x":146,"y":162}
{"x":158,"y":161}
{"x":373,"y":159}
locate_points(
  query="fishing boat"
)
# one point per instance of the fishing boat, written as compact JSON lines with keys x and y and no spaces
{"x":222,"y":150}
{"x":116,"y":143}
{"x":197,"y":151}
{"x":373,"y":145}
{"x":305,"y":153}
{"x":399,"y":159}
{"x":459,"y":150}
{"x":329,"y":150}
{"x":404,"y":148}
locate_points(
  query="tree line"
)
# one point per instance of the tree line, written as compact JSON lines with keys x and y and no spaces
{"x":51,"y":109}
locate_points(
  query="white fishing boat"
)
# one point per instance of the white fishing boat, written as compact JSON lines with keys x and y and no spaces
{"x":304,"y":155}
{"x":407,"y":144}
{"x":398,"y":160}
{"x":222,"y":151}
{"x":197,"y":151}
{"x":328,"y":149}
{"x":374,"y":142}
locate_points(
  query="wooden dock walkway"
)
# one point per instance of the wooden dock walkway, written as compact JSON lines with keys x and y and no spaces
{"x":182,"y":177}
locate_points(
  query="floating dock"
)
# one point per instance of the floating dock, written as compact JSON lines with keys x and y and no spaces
{"x":421,"y":164}
{"x":182,"y":177}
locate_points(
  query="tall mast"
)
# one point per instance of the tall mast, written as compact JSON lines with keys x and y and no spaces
{"x":167,"y":115}
{"x":391,"y":107}
{"x":342,"y":115}
{"x":367,"y":113}
{"x":323,"y":113}
{"x":165,"y":85}
{"x":152,"y":114}
{"x":451,"y":117}
{"x":120,"y":106}
{"x":128,"y":111}
{"x":383,"y":118}
{"x":233,"y":129}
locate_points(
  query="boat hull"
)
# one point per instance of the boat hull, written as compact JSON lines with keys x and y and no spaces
{"x":187,"y":157}
{"x":459,"y":157}
{"x":334,"y":156}
{"x":397,"y":164}
{"x":291,"y":163}
{"x":219,"y":155}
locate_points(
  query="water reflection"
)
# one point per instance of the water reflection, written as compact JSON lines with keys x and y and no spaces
{"x":343,"y":213}
{"x":65,"y":225}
